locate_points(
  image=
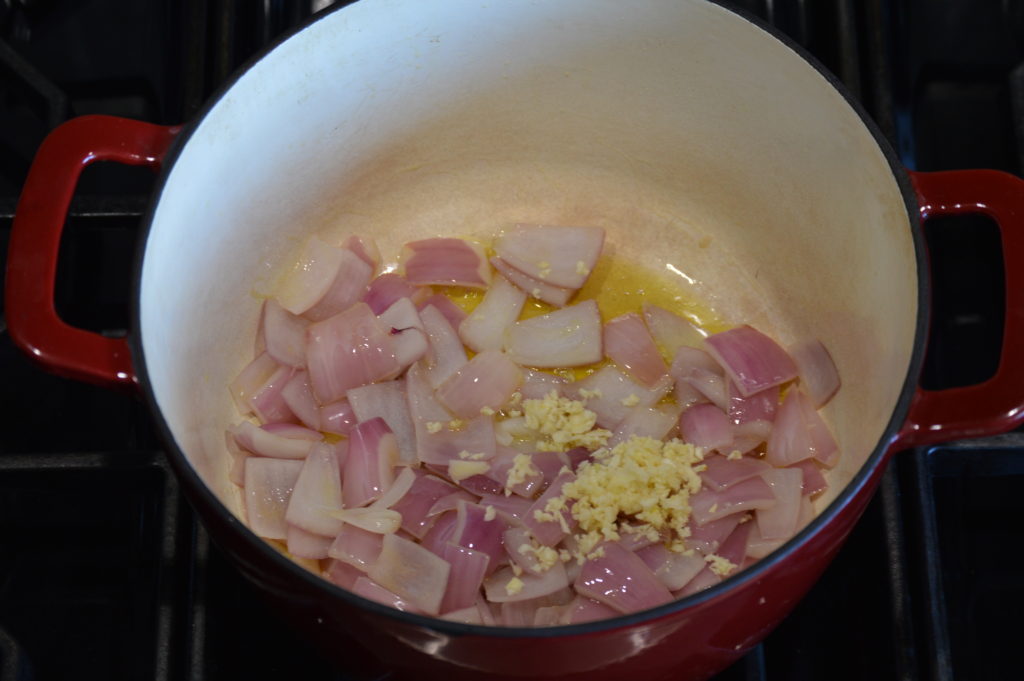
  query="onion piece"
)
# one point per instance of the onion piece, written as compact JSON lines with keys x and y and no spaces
{"x":564,"y":338}
{"x":486,"y":382}
{"x":550,"y":532}
{"x":559,"y":255}
{"x":814,"y":482}
{"x":364,"y":247}
{"x":588,"y":610}
{"x":708,"y":505}
{"x":347,"y":288}
{"x":452,"y":312}
{"x":673,"y":570}
{"x":375,"y":520}
{"x":523,"y":613}
{"x":751,"y":359}
{"x":670,"y":331}
{"x":760,"y":406}
{"x":722,"y":472}
{"x":268,"y":487}
{"x":622,"y":580}
{"x":655,"y":422}
{"x":388,"y":288}
{"x":684,"y":362}
{"x":629,"y":344}
{"x":446,"y":262}
{"x":706,"y":426}
{"x":608,"y":390}
{"x":284,"y":334}
{"x":484,"y":328}
{"x":302,"y":544}
{"x":708,"y":537}
{"x":412,"y":572}
{"x":468,"y":568}
{"x":470,"y":615}
{"x":367,"y":588}
{"x":439,"y":447}
{"x":387,"y":400}
{"x":415,"y":505}
{"x":268,"y":401}
{"x":369,"y":469}
{"x":298,"y":395}
{"x":446,"y":354}
{"x":709,"y":385}
{"x":747,"y":436}
{"x":473,"y":531}
{"x":496,"y":587}
{"x":310,"y":277}
{"x":278,"y":441}
{"x":819,"y":377}
{"x":338,"y":417}
{"x":757,"y":546}
{"x":440,"y":532}
{"x":538,"y":384}
{"x":317,"y":495}
{"x":251,"y":379}
{"x":348,"y":350}
{"x":513,"y":508}
{"x":800,"y":433}
{"x":734,"y":548}
{"x":541,"y":290}
{"x":779,"y":521}
{"x":704,"y":579}
{"x":407,"y":333}
{"x":518,"y":543}
{"x":236,"y":473}
{"x":450,"y":502}
{"x":342,"y":574}
{"x":398,"y":489}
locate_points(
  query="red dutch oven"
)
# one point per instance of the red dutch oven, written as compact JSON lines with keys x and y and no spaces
{"x":702,"y":142}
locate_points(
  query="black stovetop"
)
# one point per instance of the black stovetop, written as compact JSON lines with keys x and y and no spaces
{"x":104,"y":572}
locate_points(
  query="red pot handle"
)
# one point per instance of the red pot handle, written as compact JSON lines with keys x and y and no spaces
{"x":996,"y":405}
{"x":35,"y":241}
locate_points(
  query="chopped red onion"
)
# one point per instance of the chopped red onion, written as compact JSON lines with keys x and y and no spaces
{"x":338,"y":417}
{"x":251,"y":379}
{"x":475,"y":436}
{"x":814,"y":481}
{"x":760,"y":406}
{"x":413,"y":572}
{"x":819,"y":377}
{"x":588,"y":610}
{"x":268,"y":487}
{"x":747,"y":436}
{"x":407,"y":333}
{"x":685,"y":361}
{"x":704,"y":579}
{"x":779,"y":521}
{"x":610,"y":390}
{"x":387,"y":400}
{"x":655,"y":422}
{"x":673,"y":570}
{"x":367,"y":588}
{"x":342,"y":574}
{"x":523,"y":613}
{"x":278,"y":440}
{"x":416,"y":504}
{"x":558,"y":255}
{"x":533,"y":585}
{"x":710,"y":385}
{"x":722,"y":472}
{"x":564,"y":338}
{"x":348,"y":350}
{"x":302,"y":544}
{"x":484,"y":328}
{"x":670,"y":331}
{"x":365,"y":248}
{"x":757,"y":546}
{"x":734,"y":549}
{"x":376,"y":520}
{"x":468,"y":568}
{"x":317,"y":493}
{"x":484,"y":383}
{"x":348,"y":287}
{"x":440,"y":532}
{"x":356,"y":546}
{"x":474,"y":531}
{"x":550,"y":532}
{"x":298,"y":395}
{"x":538,"y":384}
{"x":398,"y":489}
{"x":450,"y":502}
{"x":470,"y":615}
{"x":517,"y":540}
{"x":451,"y":312}
{"x":447,"y":262}
{"x":311,"y":277}
{"x":708,"y":505}
{"x":622,"y":580}
{"x":268,"y":401}
{"x":541,"y":290}
{"x":800,"y":433}
{"x":284,"y":334}
{"x":446,"y":354}
{"x":706,"y":426}
{"x":708,"y":537}
{"x":388,"y":288}
{"x":369,"y":469}
{"x":628,"y":343}
{"x":513,"y":508}
{"x":751,"y":359}
{"x":236,"y":473}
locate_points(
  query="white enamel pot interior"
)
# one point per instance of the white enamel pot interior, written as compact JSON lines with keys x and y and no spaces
{"x":697,"y":139}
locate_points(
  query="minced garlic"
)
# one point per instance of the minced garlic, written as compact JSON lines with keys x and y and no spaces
{"x":472,"y":456}
{"x":522,"y":468}
{"x":719,"y":565}
{"x":456,"y":424}
{"x":459,"y":470}
{"x":581,"y":268}
{"x":590,"y":394}
{"x":566,"y":423}
{"x":434,"y":427}
{"x":545,"y":555}
{"x":734,"y":455}
{"x":644,"y":480}
{"x":489,"y":513}
{"x":631,"y":401}
{"x":514,"y":586}
{"x":486,"y":411}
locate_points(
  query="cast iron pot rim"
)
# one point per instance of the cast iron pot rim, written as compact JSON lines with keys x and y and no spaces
{"x":187,"y":474}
